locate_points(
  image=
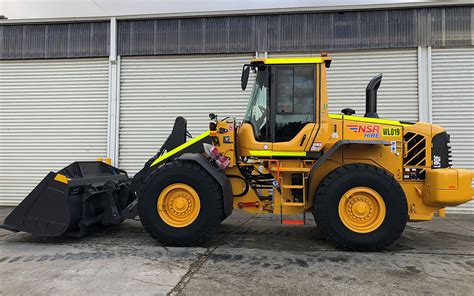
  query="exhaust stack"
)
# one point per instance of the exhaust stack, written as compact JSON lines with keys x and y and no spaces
{"x":371,"y":97}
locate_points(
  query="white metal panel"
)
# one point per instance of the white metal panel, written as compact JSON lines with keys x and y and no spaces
{"x":52,"y":112}
{"x":155,"y":90}
{"x":398,"y":93}
{"x":453,"y":105}
{"x":350,"y":72}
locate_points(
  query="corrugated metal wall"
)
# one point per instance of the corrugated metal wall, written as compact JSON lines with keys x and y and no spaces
{"x":302,"y":32}
{"x":398,"y":93}
{"x":56,"y":40}
{"x":285,"y":32}
{"x":453,"y":104}
{"x":234,"y":34}
{"x":52,"y":112}
{"x":154,"y":91}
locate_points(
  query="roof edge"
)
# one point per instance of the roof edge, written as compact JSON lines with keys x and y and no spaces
{"x":240,"y":12}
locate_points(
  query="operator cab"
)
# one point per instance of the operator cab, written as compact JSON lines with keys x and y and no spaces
{"x":283,"y":106}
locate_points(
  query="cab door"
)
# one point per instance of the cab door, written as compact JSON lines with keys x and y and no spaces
{"x":293,"y":116}
{"x":254,"y":138}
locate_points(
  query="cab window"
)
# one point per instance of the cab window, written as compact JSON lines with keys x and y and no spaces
{"x":294,"y":100}
{"x":258,"y":111}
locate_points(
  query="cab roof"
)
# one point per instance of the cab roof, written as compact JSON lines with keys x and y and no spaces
{"x":292,"y":60}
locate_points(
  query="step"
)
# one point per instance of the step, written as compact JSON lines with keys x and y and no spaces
{"x":292,"y":222}
{"x":283,"y":169}
{"x":293,"y":186}
{"x":293,"y":204}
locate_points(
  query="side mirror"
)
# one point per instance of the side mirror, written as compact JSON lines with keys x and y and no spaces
{"x":245,"y":76}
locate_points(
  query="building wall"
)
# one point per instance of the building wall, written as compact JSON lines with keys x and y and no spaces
{"x":55,"y":40}
{"x":284,"y":32}
{"x":299,"y":32}
{"x":55,"y":111}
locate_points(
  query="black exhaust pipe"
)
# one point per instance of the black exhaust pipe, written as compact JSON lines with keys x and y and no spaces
{"x":371,"y":97}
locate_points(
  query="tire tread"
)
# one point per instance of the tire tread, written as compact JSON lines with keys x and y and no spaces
{"x":321,"y":199}
{"x":217,"y":214}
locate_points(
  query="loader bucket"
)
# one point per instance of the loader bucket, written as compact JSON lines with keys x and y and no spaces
{"x":78,"y":196}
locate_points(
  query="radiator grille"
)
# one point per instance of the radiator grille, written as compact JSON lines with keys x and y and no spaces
{"x":415,"y":155}
{"x":414,"y":160}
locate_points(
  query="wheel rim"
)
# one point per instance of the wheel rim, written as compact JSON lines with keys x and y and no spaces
{"x":362,"y":209}
{"x":178,"y":205}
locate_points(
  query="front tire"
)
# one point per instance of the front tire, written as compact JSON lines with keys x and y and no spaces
{"x":360,"y":207}
{"x":180,"y":204}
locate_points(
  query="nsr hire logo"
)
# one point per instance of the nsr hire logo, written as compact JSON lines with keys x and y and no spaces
{"x":373,"y":131}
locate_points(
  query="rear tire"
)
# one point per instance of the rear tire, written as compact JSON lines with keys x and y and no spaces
{"x":205,"y":212}
{"x":360,"y":207}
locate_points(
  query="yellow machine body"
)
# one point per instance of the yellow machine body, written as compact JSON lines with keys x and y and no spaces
{"x":378,"y":142}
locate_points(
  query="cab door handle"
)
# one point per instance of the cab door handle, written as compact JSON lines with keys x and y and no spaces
{"x":302,"y":140}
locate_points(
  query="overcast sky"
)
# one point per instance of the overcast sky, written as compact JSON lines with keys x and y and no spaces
{"x":30,"y":9}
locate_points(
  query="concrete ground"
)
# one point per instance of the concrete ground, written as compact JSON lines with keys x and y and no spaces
{"x":251,"y":255}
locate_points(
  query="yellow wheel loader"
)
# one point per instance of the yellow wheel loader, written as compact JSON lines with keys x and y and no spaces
{"x":361,"y":177}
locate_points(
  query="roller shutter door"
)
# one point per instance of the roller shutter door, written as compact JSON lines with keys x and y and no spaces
{"x":155,"y":90}
{"x":52,"y":112}
{"x":398,"y":93}
{"x":453,"y":105}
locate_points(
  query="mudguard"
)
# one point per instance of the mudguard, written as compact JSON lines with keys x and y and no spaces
{"x":219,"y":176}
{"x":311,"y":189}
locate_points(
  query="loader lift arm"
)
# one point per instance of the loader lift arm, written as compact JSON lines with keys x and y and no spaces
{"x":177,"y":147}
{"x":175,"y":139}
